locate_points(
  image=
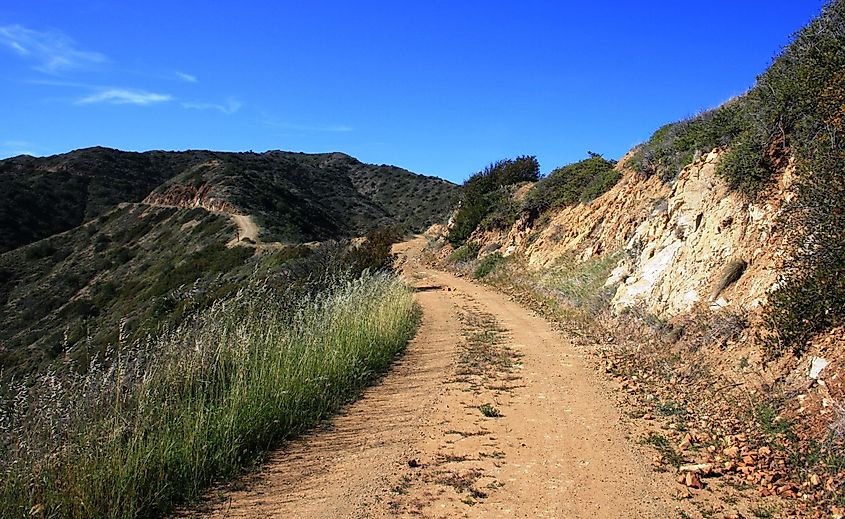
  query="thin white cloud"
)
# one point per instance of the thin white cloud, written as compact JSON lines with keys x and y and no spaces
{"x":119,"y":96}
{"x":62,"y":83}
{"x":52,"y":51}
{"x":187,"y":78}
{"x":231,"y":106}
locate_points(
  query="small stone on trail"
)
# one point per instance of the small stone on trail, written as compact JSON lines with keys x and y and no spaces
{"x":413,"y":463}
{"x":698,"y":468}
{"x":692,"y":480}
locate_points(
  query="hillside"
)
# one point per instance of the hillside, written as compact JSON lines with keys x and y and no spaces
{"x":104,"y":247}
{"x":660,"y":335}
{"x":297,"y":197}
{"x":40,"y":197}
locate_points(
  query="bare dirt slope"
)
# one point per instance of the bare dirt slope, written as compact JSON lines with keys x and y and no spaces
{"x":418,"y":443}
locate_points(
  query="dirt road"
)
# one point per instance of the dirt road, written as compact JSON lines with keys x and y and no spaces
{"x":246,"y":228}
{"x":427,"y":440}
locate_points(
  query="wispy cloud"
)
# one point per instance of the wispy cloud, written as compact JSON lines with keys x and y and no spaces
{"x":187,"y":78}
{"x":117,"y":96}
{"x":51,"y":51}
{"x":231,"y":106}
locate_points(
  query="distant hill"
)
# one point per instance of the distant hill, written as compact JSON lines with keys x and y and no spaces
{"x":44,"y":196}
{"x":294,"y":196}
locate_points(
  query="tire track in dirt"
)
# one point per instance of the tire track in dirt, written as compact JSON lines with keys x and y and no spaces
{"x":418,"y":444}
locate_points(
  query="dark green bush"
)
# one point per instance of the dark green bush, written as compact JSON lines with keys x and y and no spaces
{"x":40,"y":250}
{"x":503,"y":210}
{"x":375,"y":253}
{"x":579,"y":182}
{"x":466,"y":252}
{"x":486,"y":190}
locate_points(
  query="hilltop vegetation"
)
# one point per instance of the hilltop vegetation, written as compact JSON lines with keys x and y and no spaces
{"x":294,"y":196}
{"x":40,"y":197}
{"x":297,"y":197}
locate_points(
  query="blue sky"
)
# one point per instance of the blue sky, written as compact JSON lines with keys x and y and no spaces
{"x":438,"y":87}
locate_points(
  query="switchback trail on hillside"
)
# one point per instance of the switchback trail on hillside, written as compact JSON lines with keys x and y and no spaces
{"x":489,"y":413}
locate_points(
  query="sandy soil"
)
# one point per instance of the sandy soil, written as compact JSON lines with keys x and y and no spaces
{"x":418,"y":444}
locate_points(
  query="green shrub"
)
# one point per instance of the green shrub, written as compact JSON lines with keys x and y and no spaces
{"x":466,"y":252}
{"x":375,"y":251}
{"x":579,"y":182}
{"x":675,"y":145}
{"x":486,"y":190}
{"x":488,"y":265}
{"x":804,"y":98}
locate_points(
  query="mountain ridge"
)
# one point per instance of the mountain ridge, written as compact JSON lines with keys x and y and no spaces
{"x":295,"y":196}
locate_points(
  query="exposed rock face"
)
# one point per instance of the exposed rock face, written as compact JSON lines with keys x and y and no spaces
{"x":689,"y":243}
{"x":211,"y":197}
{"x":708,"y":245}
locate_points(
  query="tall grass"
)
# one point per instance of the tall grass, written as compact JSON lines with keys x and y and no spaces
{"x":163,"y":420}
{"x":580,"y":283}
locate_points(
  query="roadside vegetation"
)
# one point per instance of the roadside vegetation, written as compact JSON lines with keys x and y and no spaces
{"x":159,"y":420}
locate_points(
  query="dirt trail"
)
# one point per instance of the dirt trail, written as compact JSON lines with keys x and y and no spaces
{"x":418,"y":443}
{"x":246,"y":228}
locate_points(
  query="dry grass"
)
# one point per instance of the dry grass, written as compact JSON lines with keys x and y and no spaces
{"x":167,"y":417}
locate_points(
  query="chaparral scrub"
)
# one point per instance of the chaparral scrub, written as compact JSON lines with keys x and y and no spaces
{"x":161,"y":421}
